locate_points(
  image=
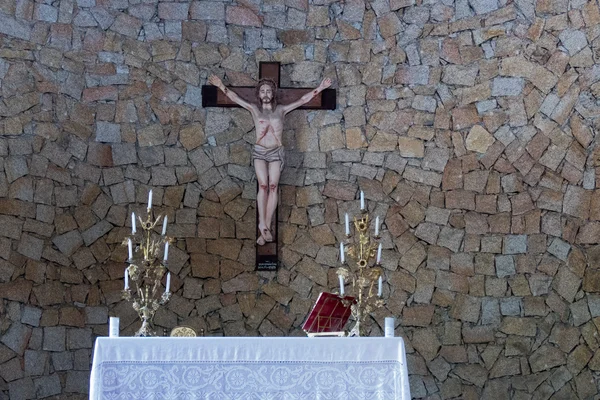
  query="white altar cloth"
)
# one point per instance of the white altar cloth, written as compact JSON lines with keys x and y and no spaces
{"x":240,"y":368}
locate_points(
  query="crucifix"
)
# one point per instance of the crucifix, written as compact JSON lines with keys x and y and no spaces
{"x":268,"y":104}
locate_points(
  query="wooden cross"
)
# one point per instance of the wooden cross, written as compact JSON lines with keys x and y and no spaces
{"x":266,"y":255}
{"x":213,"y":97}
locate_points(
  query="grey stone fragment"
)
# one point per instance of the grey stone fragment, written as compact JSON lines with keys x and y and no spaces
{"x":546,"y":357}
{"x":395,"y":162}
{"x":428,"y":232}
{"x":346,"y":156}
{"x":123,"y":192}
{"x":10,"y":227}
{"x":504,"y":135}
{"x":45,"y":12}
{"x":22,"y":389}
{"x":163,"y":176}
{"x":46,"y":386}
{"x":515,"y":244}
{"x":82,"y":359}
{"x":365,"y":171}
{"x":460,"y":75}
{"x":56,"y":154}
{"x":252,"y":39}
{"x":484,"y":6}
{"x":502,"y":86}
{"x":424,"y":103}
{"x":11,"y":370}
{"x":217,"y":34}
{"x":486,"y":105}
{"x":31,"y":247}
{"x":437,"y":215}
{"x":84,"y":258}
{"x":62,"y":361}
{"x":421,"y":176}
{"x":505,"y":266}
{"x":18,"y":147}
{"x":451,"y":238}
{"x":96,"y":232}
{"x":124,"y":153}
{"x":549,"y":104}
{"x":573,"y":40}
{"x":16,"y":337}
{"x":193,"y":96}
{"x":84,"y":19}
{"x":200,"y":160}
{"x":490,"y":311}
{"x":152,"y":155}
{"x":15,"y":167}
{"x":435,"y":158}
{"x":539,"y":284}
{"x":593,"y":301}
{"x":316,"y":216}
{"x":559,"y":248}
{"x":96,"y":315}
{"x":54,"y":338}
{"x":173,"y":30}
{"x":511,"y":306}
{"x":566,"y":283}
{"x":35,"y":362}
{"x":79,"y":338}
{"x":12,"y":27}
{"x":580,"y":312}
{"x":315,"y":160}
{"x":207,"y":10}
{"x":110,"y":176}
{"x":77,"y":382}
{"x":66,"y":197}
{"x":31,"y":315}
{"x":68,"y":242}
{"x":35,"y":341}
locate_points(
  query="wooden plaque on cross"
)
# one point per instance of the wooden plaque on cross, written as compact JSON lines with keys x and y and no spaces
{"x":267,"y":254}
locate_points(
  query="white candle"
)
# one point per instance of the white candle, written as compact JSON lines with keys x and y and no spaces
{"x":347,"y":225}
{"x":377,"y":226}
{"x":362,"y":200}
{"x":168,"y":282}
{"x":342,"y":258}
{"x":341,"y":278}
{"x":133,"y":223}
{"x":164,"y":231}
{"x":379,"y":254}
{"x":126,"y":278}
{"x":113,"y":327}
{"x":380,"y":287}
{"x":130,"y":248}
{"x":150,"y":199}
{"x":166,"y":251}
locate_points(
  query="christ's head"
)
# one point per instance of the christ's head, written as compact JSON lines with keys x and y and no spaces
{"x":266,"y":92}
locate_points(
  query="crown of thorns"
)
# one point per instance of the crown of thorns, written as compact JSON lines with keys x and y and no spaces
{"x":266,"y":81}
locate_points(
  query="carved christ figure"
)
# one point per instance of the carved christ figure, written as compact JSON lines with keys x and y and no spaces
{"x":267,"y":155}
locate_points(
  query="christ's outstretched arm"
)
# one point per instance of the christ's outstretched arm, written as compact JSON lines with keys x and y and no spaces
{"x":307,"y":97}
{"x":214,"y":80}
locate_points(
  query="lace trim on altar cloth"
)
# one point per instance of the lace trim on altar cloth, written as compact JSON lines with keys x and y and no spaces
{"x":251,"y":381}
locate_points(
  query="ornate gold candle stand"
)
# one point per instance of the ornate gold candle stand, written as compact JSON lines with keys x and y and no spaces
{"x":363,"y":271}
{"x":145,"y":271}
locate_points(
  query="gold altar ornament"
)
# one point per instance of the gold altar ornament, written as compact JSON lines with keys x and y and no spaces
{"x":145,"y":270}
{"x":363,"y":271}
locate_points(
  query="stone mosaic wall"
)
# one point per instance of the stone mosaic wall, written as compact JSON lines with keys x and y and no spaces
{"x":469,"y":124}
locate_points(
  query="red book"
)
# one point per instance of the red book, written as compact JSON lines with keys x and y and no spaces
{"x":329,"y":314}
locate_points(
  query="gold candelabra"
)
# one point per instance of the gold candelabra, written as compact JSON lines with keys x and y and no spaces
{"x":145,"y":270}
{"x":364,"y":271}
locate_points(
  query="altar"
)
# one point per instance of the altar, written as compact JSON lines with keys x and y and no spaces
{"x":241,"y":368}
